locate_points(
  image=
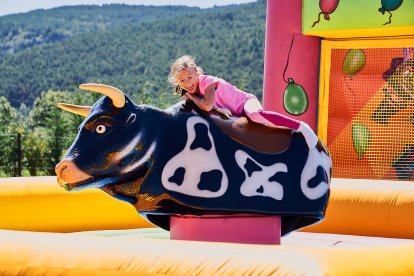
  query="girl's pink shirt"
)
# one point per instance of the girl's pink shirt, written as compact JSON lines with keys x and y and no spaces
{"x":227,"y":95}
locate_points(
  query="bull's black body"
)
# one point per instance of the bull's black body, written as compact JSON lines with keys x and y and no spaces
{"x":152,"y":141}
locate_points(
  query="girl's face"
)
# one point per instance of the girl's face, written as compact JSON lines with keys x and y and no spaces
{"x":188,"y":80}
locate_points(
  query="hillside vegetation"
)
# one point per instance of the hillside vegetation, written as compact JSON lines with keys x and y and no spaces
{"x":134,"y":55}
{"x":25,"y":30}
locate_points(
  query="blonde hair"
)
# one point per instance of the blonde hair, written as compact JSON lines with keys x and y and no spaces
{"x":179,"y":65}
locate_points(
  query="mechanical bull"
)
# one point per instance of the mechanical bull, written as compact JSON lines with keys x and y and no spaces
{"x":184,"y":161}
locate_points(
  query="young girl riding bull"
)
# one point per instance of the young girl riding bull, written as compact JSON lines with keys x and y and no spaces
{"x":209,"y":92}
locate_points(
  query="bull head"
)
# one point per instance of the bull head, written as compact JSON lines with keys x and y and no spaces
{"x":109,"y":117}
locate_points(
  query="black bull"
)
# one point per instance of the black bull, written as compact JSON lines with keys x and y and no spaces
{"x":183,"y":161}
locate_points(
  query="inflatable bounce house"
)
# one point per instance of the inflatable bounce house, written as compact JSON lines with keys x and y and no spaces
{"x":144,"y":191}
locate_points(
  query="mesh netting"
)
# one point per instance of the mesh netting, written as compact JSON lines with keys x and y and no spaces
{"x":371,"y":113}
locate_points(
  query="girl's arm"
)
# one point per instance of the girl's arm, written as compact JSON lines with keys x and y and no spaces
{"x":206,"y":103}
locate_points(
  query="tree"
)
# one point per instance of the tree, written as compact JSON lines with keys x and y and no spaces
{"x":166,"y":99}
{"x":57,"y":125}
{"x":7,"y":138}
{"x":144,"y":94}
{"x":35,"y":147}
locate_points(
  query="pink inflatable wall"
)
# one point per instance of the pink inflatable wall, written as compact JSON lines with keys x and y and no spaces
{"x":300,"y":58}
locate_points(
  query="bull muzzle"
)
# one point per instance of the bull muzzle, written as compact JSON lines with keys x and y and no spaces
{"x":69,"y":175}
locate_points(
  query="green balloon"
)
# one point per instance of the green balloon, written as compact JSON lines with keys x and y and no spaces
{"x":353,"y":62}
{"x":361,"y":139}
{"x":295,"y":99}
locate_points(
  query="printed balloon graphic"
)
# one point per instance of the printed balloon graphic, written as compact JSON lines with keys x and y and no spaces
{"x":388,"y":6}
{"x":295,"y":99}
{"x":354,"y":61}
{"x":361,"y":139}
{"x":327,"y":7}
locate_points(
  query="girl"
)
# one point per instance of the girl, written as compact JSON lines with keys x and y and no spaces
{"x":209,"y":92}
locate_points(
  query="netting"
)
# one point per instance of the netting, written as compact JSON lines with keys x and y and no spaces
{"x":371,"y":113}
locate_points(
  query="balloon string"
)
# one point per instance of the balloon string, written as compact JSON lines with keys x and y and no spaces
{"x":389,"y":19}
{"x":353,"y":113}
{"x":287,"y":61}
{"x":317,"y":21}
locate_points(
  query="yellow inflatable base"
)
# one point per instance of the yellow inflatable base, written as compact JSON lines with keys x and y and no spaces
{"x":369,"y":208}
{"x":31,"y":253}
{"x":40,"y":204}
{"x":368,"y":230}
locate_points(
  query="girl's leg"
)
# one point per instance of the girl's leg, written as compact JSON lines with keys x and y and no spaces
{"x":255,"y":112}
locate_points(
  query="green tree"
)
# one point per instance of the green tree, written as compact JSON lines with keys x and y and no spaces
{"x":143,"y":96}
{"x":48,"y":119}
{"x":166,"y":99}
{"x":35,"y":146}
{"x":7,"y":114}
{"x":8,"y":146}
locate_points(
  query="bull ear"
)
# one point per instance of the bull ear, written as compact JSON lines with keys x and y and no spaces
{"x":131,"y":119}
{"x":117,"y":96}
{"x":77,"y":109}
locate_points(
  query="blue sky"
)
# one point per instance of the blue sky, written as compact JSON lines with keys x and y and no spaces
{"x":18,"y":6}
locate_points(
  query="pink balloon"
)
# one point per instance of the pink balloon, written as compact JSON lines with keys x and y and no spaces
{"x":328,"y":6}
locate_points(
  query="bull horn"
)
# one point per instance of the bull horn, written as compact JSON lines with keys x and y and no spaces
{"x":117,"y":96}
{"x":77,"y":109}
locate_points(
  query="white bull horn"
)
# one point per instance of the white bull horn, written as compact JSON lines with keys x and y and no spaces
{"x":117,"y":96}
{"x":77,"y":109}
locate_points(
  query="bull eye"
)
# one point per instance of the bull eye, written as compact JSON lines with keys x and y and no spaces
{"x":100,"y":129}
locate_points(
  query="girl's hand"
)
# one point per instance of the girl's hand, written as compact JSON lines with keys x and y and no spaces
{"x":204,"y":101}
{"x":185,"y":97}
{"x":224,"y":111}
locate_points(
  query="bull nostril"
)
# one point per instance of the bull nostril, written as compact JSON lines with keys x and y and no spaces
{"x":60,"y":168}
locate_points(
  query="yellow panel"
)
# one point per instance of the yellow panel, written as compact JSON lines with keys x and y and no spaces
{"x":342,"y":34}
{"x":39,"y":204}
{"x":323,"y":106}
{"x":386,"y":42}
{"x":369,"y":208}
